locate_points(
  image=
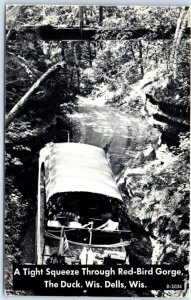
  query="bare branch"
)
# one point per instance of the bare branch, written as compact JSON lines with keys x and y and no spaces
{"x":24,"y":63}
{"x":15,"y":111}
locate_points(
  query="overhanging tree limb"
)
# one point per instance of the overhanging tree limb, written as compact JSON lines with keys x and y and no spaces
{"x":15,"y":111}
{"x":24,"y":63}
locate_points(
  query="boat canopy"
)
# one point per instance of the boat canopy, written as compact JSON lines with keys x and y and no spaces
{"x":76,"y":167}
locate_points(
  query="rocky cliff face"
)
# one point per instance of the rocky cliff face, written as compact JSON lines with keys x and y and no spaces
{"x":156,"y":190}
{"x":169,"y":106}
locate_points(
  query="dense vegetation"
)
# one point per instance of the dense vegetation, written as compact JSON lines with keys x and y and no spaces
{"x":148,"y":76}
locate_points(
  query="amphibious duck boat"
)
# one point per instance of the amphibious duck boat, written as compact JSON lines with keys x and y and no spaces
{"x":78,"y":208}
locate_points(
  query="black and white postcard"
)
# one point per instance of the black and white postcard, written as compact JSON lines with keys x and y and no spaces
{"x":97,"y":150}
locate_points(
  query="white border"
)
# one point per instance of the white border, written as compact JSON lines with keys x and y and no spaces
{"x":2,"y":18}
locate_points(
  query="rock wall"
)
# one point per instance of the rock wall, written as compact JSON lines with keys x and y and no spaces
{"x":156,"y":190}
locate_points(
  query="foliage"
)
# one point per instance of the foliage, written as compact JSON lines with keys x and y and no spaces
{"x":42,"y":121}
{"x":113,"y":70}
{"x":159,"y":206}
{"x":132,"y":17}
{"x":15,"y":222}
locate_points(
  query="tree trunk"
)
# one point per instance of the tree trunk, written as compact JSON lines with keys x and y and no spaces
{"x":166,"y":55}
{"x":78,"y":68}
{"x":72,"y":72}
{"x":100,"y":15}
{"x":141,"y":57}
{"x":132,"y":51}
{"x":16,"y":110}
{"x":146,"y":55}
{"x":90,"y":53}
{"x":156,"y":59}
{"x":181,"y":24}
{"x":81,"y":14}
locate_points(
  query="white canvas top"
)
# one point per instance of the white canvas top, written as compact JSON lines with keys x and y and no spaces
{"x":76,"y":167}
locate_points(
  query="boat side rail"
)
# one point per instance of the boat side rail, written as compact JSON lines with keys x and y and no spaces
{"x":116,"y":245}
{"x":66,"y":228}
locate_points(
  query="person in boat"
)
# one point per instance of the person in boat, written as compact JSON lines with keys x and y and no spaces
{"x":54,"y":222}
{"x":111,"y":224}
{"x":87,"y":256}
{"x":76,"y":224}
